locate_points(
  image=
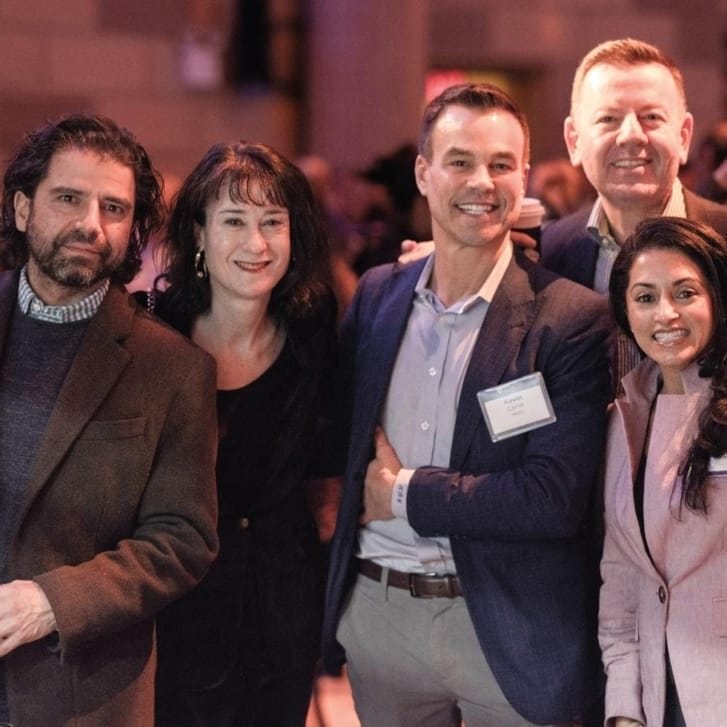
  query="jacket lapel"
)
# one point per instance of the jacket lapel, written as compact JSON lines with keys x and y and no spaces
{"x":508,"y":319}
{"x":387,"y":330}
{"x":96,"y":368}
{"x":634,"y":412}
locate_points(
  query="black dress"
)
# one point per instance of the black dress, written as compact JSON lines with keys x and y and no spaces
{"x":241,"y":648}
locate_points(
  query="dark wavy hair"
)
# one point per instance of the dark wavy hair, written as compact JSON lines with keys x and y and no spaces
{"x":29,"y":166}
{"x":707,"y":249}
{"x":257,"y":174}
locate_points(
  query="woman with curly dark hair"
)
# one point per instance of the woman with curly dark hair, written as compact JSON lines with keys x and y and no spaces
{"x":663,"y":607}
{"x":248,"y":261}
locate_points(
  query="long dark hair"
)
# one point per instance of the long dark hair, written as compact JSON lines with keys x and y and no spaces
{"x":29,"y":167}
{"x":708,"y":251}
{"x":258,"y":174}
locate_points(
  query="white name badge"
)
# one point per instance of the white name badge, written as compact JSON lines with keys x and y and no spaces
{"x":718,"y":465}
{"x":516,"y":407}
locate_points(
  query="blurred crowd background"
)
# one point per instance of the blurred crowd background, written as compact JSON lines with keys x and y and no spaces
{"x":338,"y":85}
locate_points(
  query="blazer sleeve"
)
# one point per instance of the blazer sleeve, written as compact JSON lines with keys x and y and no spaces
{"x":618,"y":630}
{"x":537,"y":485}
{"x":618,"y":633}
{"x":173,"y":539}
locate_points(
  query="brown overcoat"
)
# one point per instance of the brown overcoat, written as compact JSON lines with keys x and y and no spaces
{"x":119,"y":517}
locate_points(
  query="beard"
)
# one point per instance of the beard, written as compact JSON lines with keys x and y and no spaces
{"x":64,"y":267}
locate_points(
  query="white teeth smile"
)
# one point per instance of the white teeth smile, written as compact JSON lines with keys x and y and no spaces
{"x":476,"y":209}
{"x":669,"y":336}
{"x":252,"y":267}
{"x":630,"y":163}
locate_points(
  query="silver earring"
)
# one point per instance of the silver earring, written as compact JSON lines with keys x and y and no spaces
{"x":200,"y":268}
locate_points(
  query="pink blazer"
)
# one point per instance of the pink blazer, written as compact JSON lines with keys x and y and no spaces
{"x":680,"y":598}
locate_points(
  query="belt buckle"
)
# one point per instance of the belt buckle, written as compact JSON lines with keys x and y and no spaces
{"x":412,"y":584}
{"x":413,"y":589}
{"x":449,"y":579}
{"x":444,"y":585}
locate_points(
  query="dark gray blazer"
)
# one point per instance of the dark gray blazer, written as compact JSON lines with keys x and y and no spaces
{"x":569,"y":250}
{"x":515,"y":511}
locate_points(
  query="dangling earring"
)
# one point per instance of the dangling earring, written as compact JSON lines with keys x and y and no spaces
{"x":200,"y":269}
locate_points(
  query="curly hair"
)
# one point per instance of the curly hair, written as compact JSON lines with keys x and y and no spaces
{"x":29,"y":167}
{"x":257,"y":174}
{"x":707,"y":249}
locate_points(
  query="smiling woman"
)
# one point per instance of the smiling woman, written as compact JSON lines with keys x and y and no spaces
{"x":246,"y":246}
{"x":247,"y":275}
{"x":665,"y":484}
{"x":670,"y":311}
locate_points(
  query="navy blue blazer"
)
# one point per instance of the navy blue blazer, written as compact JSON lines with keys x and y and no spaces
{"x":569,"y":250}
{"x":516,"y":510}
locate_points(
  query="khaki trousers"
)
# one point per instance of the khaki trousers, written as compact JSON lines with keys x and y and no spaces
{"x":415,"y":662}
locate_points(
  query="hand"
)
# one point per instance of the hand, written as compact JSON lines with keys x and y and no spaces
{"x":522,"y":240}
{"x":527,"y":244}
{"x":412,"y":250}
{"x":379,"y":482}
{"x":25,"y":615}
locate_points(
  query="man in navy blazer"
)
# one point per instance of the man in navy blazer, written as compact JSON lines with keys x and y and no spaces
{"x":629,"y":128}
{"x":458,"y":581}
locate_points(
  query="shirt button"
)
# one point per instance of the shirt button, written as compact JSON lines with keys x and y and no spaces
{"x":244,"y":523}
{"x":662,"y":594}
{"x":432,"y":371}
{"x":425,"y":426}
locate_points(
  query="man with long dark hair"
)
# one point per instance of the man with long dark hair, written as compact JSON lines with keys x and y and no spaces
{"x":107,"y":501}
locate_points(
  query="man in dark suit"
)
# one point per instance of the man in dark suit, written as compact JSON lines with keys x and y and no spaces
{"x":108,"y":435}
{"x":463,"y":590}
{"x":629,"y":128}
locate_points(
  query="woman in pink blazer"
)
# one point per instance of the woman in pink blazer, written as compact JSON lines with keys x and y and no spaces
{"x":663,"y":606}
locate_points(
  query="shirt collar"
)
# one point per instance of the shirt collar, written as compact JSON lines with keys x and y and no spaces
{"x":598,"y":226}
{"x":486,"y":292}
{"x":81,"y":310}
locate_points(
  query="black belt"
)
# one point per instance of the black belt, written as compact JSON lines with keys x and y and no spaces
{"x":420,"y":585}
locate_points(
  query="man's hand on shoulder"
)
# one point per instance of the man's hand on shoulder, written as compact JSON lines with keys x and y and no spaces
{"x":526,"y":243}
{"x":379,"y":483}
{"x":412,"y":250}
{"x":25,"y":615}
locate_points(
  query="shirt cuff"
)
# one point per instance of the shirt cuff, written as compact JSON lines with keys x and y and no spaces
{"x":399,"y":493}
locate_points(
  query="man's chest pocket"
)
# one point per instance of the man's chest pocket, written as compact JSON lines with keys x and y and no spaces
{"x":114,"y":429}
